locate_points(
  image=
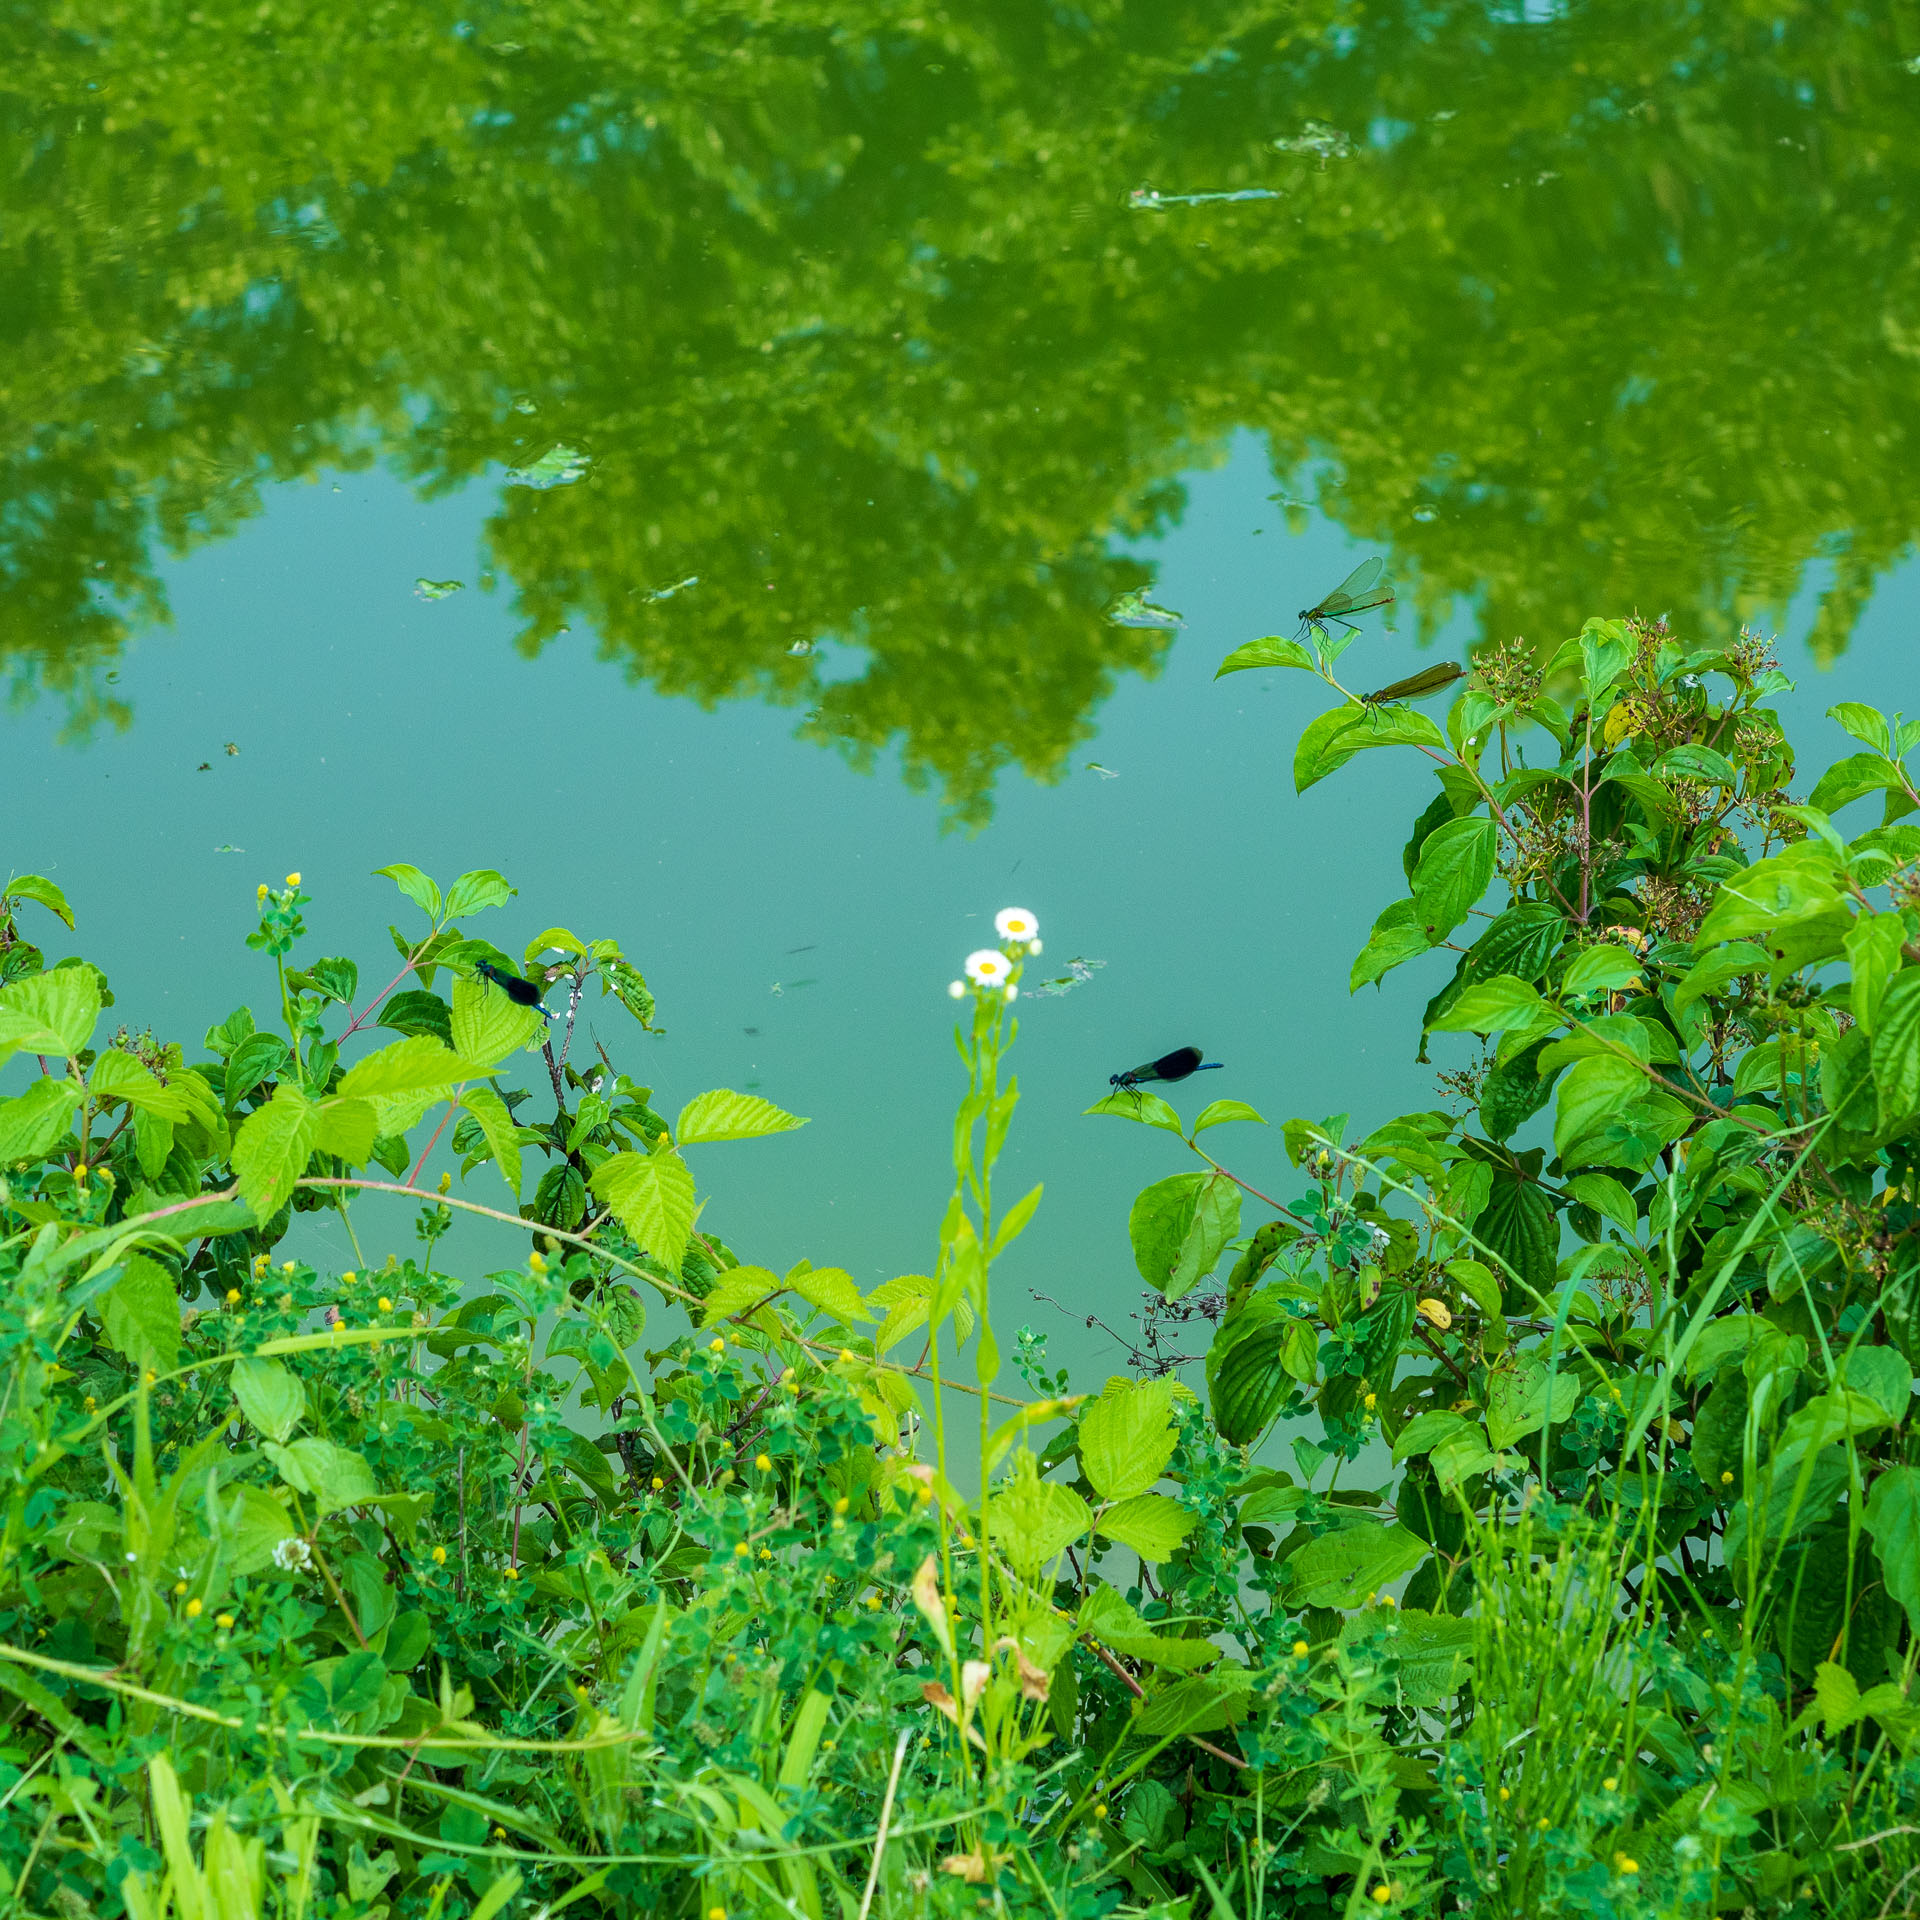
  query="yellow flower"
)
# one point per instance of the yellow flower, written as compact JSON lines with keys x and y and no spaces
{"x":1301,"y":1649}
{"x":151,"y":1376}
{"x":91,"y":1403}
{"x":846,"y":1354}
{"x":716,"y":1913}
{"x":1382,"y":1894}
{"x":873,"y":1603}
{"x":224,"y":1621}
{"x":766,"y":1553}
{"x":1542,"y":1824}
{"x":439,"y":1556}
{"x":582,"y":1695}
{"x":793,"y":1383}
{"x":1506,"y":1793}
{"x":842,"y":1504}
{"x":446,"y":1183}
{"x":1726,"y":1479}
{"x":1100,"y":1812}
{"x":179,"y":1587}
{"x":537,"y":1262}
{"x":742,"y":1551}
{"x":761,"y":1461}
{"x":510,"y":1573}
{"x":195,"y":1607}
{"x":348,"y":1278}
{"x":716,"y":1345}
{"x":1610,"y":1785}
{"x":286,"y":1266}
{"x":386,"y":1305}
{"x":260,"y":892}
{"x":293,"y":879}
{"x":659,"y":1485}
{"x":1387,"y":1600}
{"x":1368,"y":1402}
{"x":80,"y":1170}
{"x":233,"y":1296}
{"x":1625,"y":1864}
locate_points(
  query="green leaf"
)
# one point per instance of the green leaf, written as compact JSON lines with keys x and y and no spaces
{"x":1518,"y":1225}
{"x":1884,"y":1376}
{"x":486,"y":1026}
{"x":252,"y":1523}
{"x":1433,"y":1656}
{"x":1512,"y":1093}
{"x":330,"y":1476}
{"x":1013,"y":1223}
{"x":831,"y":1289}
{"x":36,"y":887}
{"x":345,"y":1126}
{"x":416,"y":886}
{"x":1697,"y":763}
{"x":652,"y":1196}
{"x":1873,"y":953}
{"x":1716,"y":969}
{"x":1522,"y":1397}
{"x":1394,"y":941}
{"x":498,"y":1129}
{"x":1179,"y":1228}
{"x":476,"y":890}
{"x":49,"y":1012}
{"x":117,"y":1075}
{"x":1866,"y":726}
{"x":1151,"y":1524}
{"x":1133,"y":1103}
{"x":31,"y":1125}
{"x":1321,"y":750}
{"x":1034,"y":1521}
{"x":1111,"y":1621}
{"x":416,"y":1065}
{"x":270,"y":1152}
{"x":1608,"y":1198}
{"x":1494,"y":1006}
{"x":1218,"y":1112}
{"x":1836,"y":1693}
{"x":1202,"y":1703}
{"x":1426,"y":1431}
{"x":1272,"y":651}
{"x":419,"y":1012}
{"x":1594,"y":1091}
{"x":1854,"y":777}
{"x":141,"y":1316}
{"x":1893,"y":1519}
{"x":1127,"y":1437}
{"x":721,"y":1115}
{"x":1896,"y":1048}
{"x":1605,"y":968}
{"x":1248,"y":1371}
{"x":1346,"y":1569}
{"x":1456,"y":866}
{"x":270,"y":1395}
{"x":257,"y":1058}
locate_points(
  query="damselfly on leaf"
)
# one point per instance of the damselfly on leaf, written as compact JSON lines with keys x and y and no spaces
{"x":1359,"y":592}
{"x":1176,"y":1065}
{"x":1416,"y":686}
{"x":523,"y":993}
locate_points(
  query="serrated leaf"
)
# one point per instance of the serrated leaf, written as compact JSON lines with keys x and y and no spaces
{"x":1127,"y":1437}
{"x":141,"y":1316}
{"x":1151,"y":1524}
{"x":417,"y":1064}
{"x":49,"y":1012}
{"x":831,"y":1289}
{"x":723,"y":1115}
{"x":486,"y":1026}
{"x":347,"y":1127}
{"x":1202,"y":1703}
{"x":1218,"y":1112}
{"x":498,"y":1128}
{"x":652,"y":1196}
{"x":416,"y":886}
{"x":1035,"y":1520}
{"x":271,"y":1150}
{"x":476,"y":890}
{"x":31,"y":1124}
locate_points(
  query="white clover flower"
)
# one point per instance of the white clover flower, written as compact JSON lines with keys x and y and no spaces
{"x":292,"y":1555}
{"x":957,"y":989}
{"x":988,"y":967}
{"x":1016,"y":923}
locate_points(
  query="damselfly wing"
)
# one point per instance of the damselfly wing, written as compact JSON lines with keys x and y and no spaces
{"x":1176,"y":1065}
{"x":1360,"y":592}
{"x":1416,"y":686}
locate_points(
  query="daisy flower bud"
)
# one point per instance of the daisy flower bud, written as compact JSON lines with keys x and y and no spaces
{"x":957,"y":989}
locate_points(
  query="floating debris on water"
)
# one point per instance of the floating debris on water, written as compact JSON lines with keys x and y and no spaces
{"x":1316,"y":137}
{"x":557,"y":467}
{"x":229,"y":849}
{"x":1134,"y":609}
{"x":667,"y":593}
{"x":524,"y":405}
{"x":233,"y":749}
{"x":1078,"y":973}
{"x":801,"y":647}
{"x":425,"y":589}
{"x":1105,"y":773}
{"x":1152,"y":197}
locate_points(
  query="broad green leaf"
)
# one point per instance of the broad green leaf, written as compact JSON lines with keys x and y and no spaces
{"x":1896,"y":1048}
{"x":1218,"y":1112}
{"x":416,"y":1065}
{"x":1802,"y":883}
{"x":32,"y":1124}
{"x":1893,"y":1519}
{"x":1827,"y":1419}
{"x":330,"y":1476}
{"x":1394,"y":941}
{"x":1346,"y":1569}
{"x":1494,"y":1006}
{"x":416,"y":886}
{"x":1522,"y":1396}
{"x":1601,"y":968}
{"x":117,"y":1075}
{"x":740,"y":1287}
{"x":474,"y":891}
{"x":345,"y":1126}
{"x":252,"y":1523}
{"x":1272,"y":651}
{"x":1111,"y":1621}
{"x":1134,"y":1103}
{"x":36,"y":887}
{"x":1127,"y":1437}
{"x":1607,"y":1197}
{"x":554,"y":940}
{"x":271,"y":1150}
{"x":1179,"y":1228}
{"x":1250,"y":1368}
{"x":487,"y":1026}
{"x":1428,"y":1430}
{"x":1151,"y":1524}
{"x":1884,"y":1376}
{"x":1396,"y":726}
{"x":1866,"y":726}
{"x":1032,"y":1520}
{"x":831,"y":1289}
{"x":722,"y":1115}
{"x":141,"y":1316}
{"x":652,"y":1196}
{"x":270,"y":1395}
{"x":1873,"y":953}
{"x":1454,"y":870}
{"x":1836,"y":1693}
{"x":49,"y":1012}
{"x":1605,"y":654}
{"x":1594,"y":1091}
{"x":1854,"y":777}
{"x":1201,"y":1703}
{"x":497,"y":1126}
{"x":1698,"y":763}
{"x":1714,"y":970}
{"x":257,"y":1058}
{"x":1323,"y":748}
{"x":1433,"y":1656}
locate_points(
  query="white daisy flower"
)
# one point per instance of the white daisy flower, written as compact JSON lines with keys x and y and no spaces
{"x":1016,"y":923}
{"x":988,"y":967}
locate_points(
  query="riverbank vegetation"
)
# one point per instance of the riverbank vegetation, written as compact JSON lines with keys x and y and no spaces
{"x":1541,"y":1535}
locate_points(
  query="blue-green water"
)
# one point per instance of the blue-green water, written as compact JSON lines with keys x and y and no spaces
{"x":855,"y":326}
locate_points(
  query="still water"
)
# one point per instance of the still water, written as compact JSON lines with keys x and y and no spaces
{"x":791,"y":396}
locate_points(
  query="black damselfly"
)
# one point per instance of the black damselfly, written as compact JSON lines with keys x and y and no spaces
{"x":1176,"y":1065}
{"x":523,"y":993}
